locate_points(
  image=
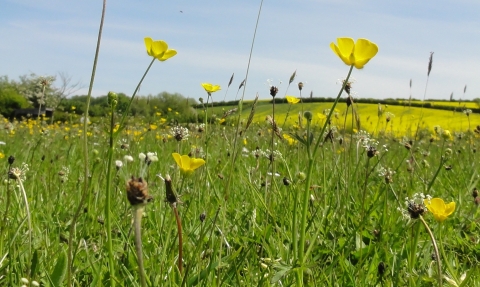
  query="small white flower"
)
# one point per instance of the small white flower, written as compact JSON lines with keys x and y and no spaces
{"x":152,"y":156}
{"x":35,"y":283}
{"x":118,"y":164}
{"x":128,"y":158}
{"x":25,"y":280}
{"x":2,"y":143}
{"x":142,"y":156}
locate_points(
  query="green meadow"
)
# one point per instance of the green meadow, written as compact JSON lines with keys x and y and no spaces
{"x":255,"y":194}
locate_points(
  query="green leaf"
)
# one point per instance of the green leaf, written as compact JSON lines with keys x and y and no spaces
{"x":60,"y":270}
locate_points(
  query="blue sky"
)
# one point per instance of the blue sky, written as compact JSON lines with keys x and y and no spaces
{"x":213,"y":39}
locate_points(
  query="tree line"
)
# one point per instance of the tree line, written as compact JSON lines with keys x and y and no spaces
{"x":56,"y":92}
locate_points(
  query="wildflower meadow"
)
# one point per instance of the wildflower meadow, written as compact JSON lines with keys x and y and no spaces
{"x":279,"y":191}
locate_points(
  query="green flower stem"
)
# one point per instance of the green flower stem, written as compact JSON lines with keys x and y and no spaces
{"x":125,"y":113}
{"x":435,"y":247}
{"x":108,"y":200}
{"x":180,"y":239}
{"x":413,"y":251}
{"x":24,"y":195}
{"x":288,"y":113}
{"x":311,"y":157}
{"x":137,"y":226}
{"x":445,"y":258}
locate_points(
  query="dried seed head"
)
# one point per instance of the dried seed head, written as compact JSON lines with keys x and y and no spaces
{"x":171,"y":197}
{"x":273,"y":91}
{"x":372,"y":151}
{"x":415,"y":209}
{"x":137,"y":191}
{"x":475,"y":192}
{"x":11,"y":159}
{"x":349,"y":101}
{"x":203,"y":216}
{"x":300,"y":86}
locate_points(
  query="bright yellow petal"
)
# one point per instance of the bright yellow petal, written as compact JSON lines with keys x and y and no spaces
{"x":196,"y":163}
{"x":345,"y":50}
{"x":185,"y":162}
{"x":178,"y":158}
{"x":159,"y":48}
{"x":167,"y":55}
{"x":148,"y":45}
{"x":449,"y":208}
{"x":364,"y":51}
{"x":207,"y":87}
{"x":435,"y":206}
{"x":292,"y":99}
{"x":215,"y":88}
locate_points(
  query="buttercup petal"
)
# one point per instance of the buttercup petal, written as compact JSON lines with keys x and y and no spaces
{"x":363,"y":52}
{"x":159,"y":48}
{"x":167,"y":55}
{"x":450,"y":208}
{"x":196,"y":163}
{"x":178,"y":158}
{"x":148,"y":45}
{"x":346,"y":46}
{"x":185,"y":162}
{"x":338,"y":52}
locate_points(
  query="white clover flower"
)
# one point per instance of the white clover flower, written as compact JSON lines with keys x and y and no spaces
{"x":467,"y":112}
{"x":152,"y":156}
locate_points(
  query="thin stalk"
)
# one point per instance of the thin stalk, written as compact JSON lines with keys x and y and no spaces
{"x":445,"y":259}
{"x":108,"y":201}
{"x":235,"y":141}
{"x":437,"y":254}
{"x":311,"y":157}
{"x":180,"y":239}
{"x":137,"y":226}
{"x":85,"y":152}
{"x":29,"y":219}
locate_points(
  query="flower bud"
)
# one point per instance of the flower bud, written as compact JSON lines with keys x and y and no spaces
{"x":112,"y":99}
{"x":11,"y":159}
{"x":308,"y":115}
{"x":301,"y":176}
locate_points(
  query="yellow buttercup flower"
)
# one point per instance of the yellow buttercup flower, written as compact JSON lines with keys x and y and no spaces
{"x":439,"y":209}
{"x":447,"y":135}
{"x":292,"y":100}
{"x":357,"y":54}
{"x":158,"y":49}
{"x":209,"y":88}
{"x":187,"y":164}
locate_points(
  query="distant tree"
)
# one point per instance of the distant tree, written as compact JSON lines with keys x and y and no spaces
{"x":10,"y":99}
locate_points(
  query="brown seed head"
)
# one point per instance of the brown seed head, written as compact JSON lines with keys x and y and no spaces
{"x":273,"y":91}
{"x":137,"y":191}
